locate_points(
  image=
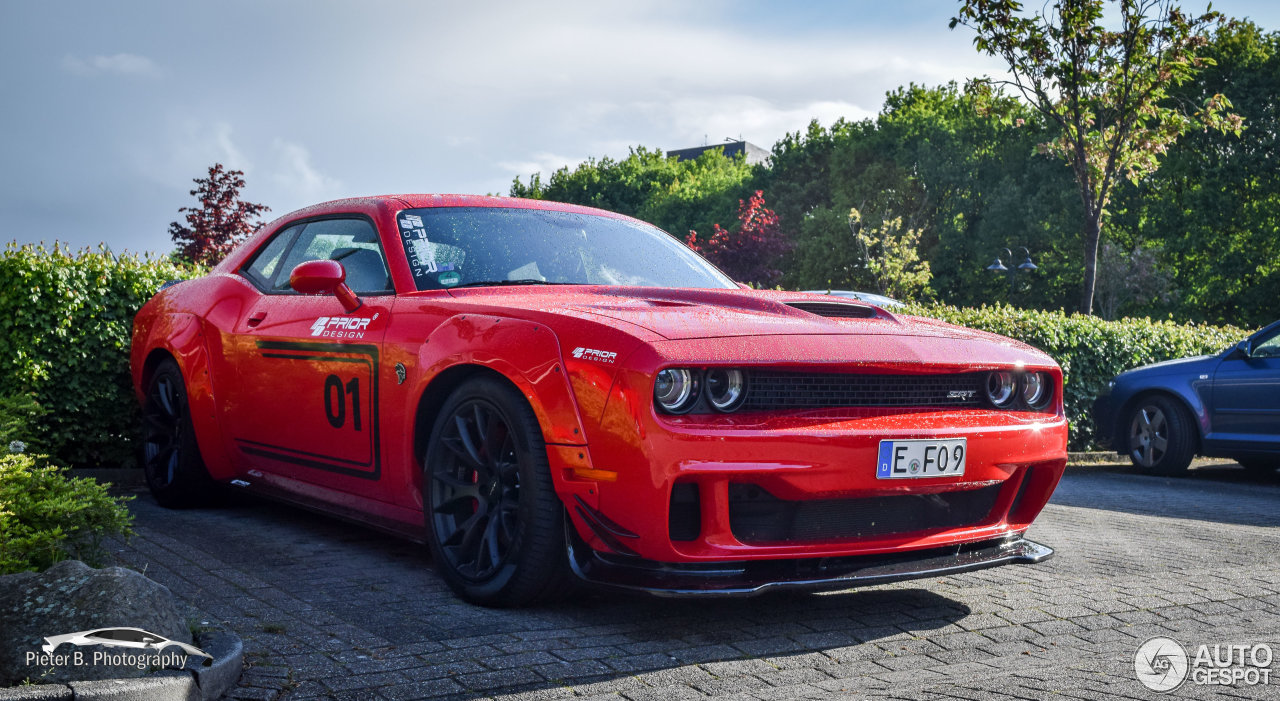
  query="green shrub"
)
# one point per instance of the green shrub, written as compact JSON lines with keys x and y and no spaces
{"x":19,"y":415}
{"x":1090,"y":350}
{"x":65,"y":325}
{"x":46,"y":516}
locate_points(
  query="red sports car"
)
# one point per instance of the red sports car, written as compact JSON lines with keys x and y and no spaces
{"x":543,"y":391}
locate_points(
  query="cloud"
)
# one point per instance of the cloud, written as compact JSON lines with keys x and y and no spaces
{"x":540,"y":162}
{"x":755,"y":119}
{"x":117,"y":64}
{"x":293,"y":172}
{"x":187,"y":151}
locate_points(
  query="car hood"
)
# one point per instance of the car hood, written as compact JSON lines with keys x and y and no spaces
{"x":680,"y":314}
{"x":1179,"y":366}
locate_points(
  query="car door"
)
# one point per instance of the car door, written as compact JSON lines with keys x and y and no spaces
{"x":304,"y":406}
{"x":1246,"y":396}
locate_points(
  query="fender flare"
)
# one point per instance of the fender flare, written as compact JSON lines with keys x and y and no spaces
{"x":182,"y":336}
{"x":537,"y":370}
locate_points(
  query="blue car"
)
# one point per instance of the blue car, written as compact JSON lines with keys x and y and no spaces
{"x":1225,"y":405}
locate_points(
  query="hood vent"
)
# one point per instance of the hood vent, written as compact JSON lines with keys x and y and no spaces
{"x":835,"y":310}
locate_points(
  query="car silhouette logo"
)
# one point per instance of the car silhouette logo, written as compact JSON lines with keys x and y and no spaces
{"x":120,"y":637}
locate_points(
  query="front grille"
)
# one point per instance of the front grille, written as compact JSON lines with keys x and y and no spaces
{"x":756,"y":516}
{"x":773,"y":389}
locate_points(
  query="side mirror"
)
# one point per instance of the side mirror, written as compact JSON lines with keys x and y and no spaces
{"x":1243,"y":349}
{"x":324,"y":277}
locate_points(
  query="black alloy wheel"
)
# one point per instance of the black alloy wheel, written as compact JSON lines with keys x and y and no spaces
{"x":496,"y":527}
{"x":171,"y":460}
{"x":475,"y":496}
{"x":1161,"y":436}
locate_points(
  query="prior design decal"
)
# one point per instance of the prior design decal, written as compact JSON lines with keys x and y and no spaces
{"x":340,"y":326}
{"x":596,"y":355}
{"x":427,"y":259}
{"x":423,"y":256}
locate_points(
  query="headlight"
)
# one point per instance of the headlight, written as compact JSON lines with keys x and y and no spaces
{"x":1037,"y":389}
{"x":676,"y":390}
{"x":1000,"y":388}
{"x":726,"y":388}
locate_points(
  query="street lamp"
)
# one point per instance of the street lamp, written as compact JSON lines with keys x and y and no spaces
{"x":1024,"y":266}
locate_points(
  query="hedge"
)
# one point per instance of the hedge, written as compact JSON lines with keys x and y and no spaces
{"x":65,"y":324}
{"x":66,"y":320}
{"x":1090,"y":350}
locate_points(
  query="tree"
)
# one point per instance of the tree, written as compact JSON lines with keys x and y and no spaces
{"x":749,"y":253}
{"x":220,"y":222}
{"x":1214,"y":205}
{"x":1104,"y":89}
{"x":1130,"y":279}
{"x":962,"y":179}
{"x":891,"y":255}
{"x":674,"y":195}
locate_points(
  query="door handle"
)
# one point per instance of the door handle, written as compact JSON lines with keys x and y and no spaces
{"x":256,"y":318}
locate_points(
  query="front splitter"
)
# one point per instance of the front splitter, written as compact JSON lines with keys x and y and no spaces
{"x":749,"y":578}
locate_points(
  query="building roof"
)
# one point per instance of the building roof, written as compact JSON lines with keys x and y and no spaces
{"x":755,"y":154}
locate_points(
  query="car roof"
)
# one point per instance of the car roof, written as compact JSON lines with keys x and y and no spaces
{"x":416,"y":201}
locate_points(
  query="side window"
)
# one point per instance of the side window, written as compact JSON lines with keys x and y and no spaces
{"x":1267,"y":348}
{"x":267,"y":263}
{"x":351,"y":242}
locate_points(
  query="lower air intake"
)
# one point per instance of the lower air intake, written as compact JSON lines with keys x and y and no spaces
{"x":756,"y":516}
{"x":686,"y":514}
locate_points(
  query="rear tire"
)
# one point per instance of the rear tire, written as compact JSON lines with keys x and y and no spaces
{"x":1161,"y":437}
{"x":171,"y":460}
{"x":494,"y":523}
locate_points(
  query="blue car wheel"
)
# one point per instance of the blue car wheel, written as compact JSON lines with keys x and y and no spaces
{"x":1161,"y":438}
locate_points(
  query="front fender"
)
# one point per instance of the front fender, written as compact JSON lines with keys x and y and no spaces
{"x":528,"y":355}
{"x":1190,"y":391}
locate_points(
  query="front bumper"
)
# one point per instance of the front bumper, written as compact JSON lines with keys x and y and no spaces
{"x":805,"y":487}
{"x":749,"y":578}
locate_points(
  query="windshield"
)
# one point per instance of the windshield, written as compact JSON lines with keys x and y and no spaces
{"x":460,"y":246}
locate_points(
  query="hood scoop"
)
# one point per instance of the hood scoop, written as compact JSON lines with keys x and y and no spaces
{"x":835,"y":310}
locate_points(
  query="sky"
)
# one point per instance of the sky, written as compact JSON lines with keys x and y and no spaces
{"x":109,"y":110}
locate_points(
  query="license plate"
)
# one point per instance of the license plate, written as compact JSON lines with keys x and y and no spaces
{"x":942,"y":457}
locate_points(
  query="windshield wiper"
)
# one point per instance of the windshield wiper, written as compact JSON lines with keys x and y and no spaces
{"x":524,"y":281}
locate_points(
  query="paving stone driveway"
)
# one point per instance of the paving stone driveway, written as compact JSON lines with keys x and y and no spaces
{"x":330,"y":609}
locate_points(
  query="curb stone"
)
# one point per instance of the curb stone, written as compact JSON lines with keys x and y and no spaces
{"x":200,"y":684}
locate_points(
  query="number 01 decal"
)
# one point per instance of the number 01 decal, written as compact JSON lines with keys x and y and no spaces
{"x":335,"y":401}
{"x":342,"y":436}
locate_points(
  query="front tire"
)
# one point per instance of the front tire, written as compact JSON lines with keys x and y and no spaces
{"x":494,"y":523}
{"x":1161,"y":436}
{"x":171,"y":460}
